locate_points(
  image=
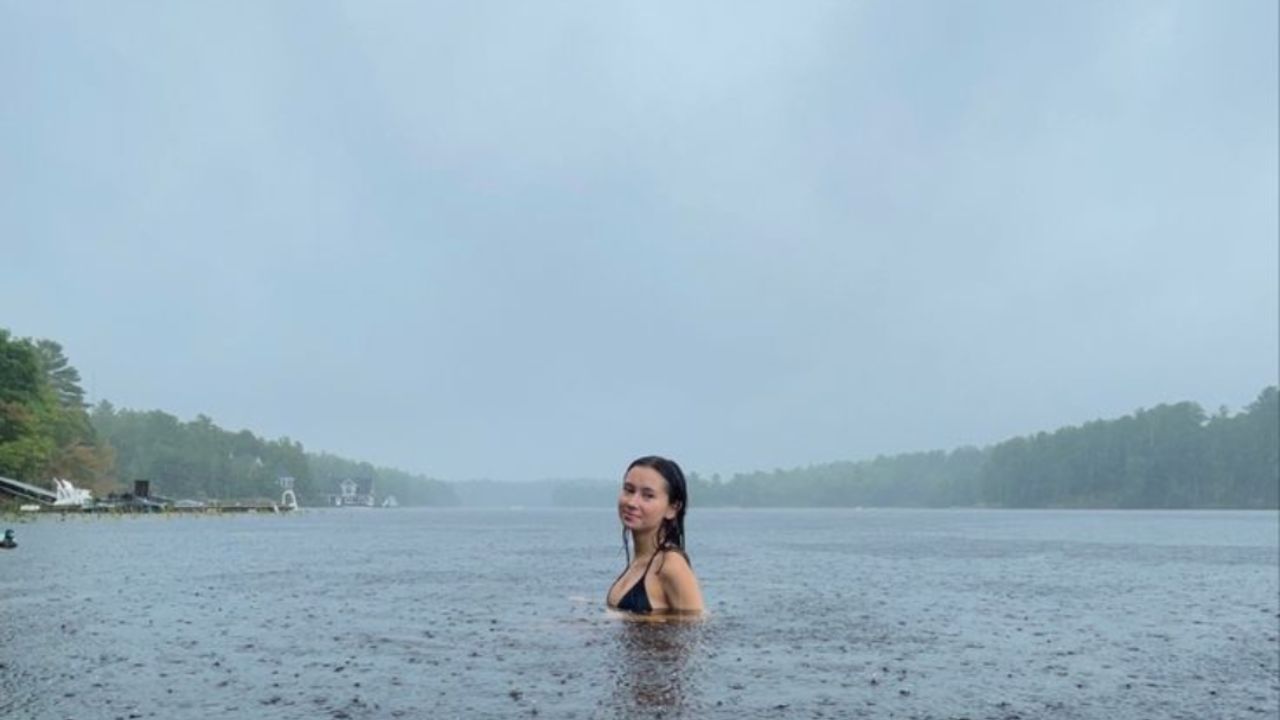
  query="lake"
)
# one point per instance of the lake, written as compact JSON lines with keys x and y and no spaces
{"x":440,"y":613}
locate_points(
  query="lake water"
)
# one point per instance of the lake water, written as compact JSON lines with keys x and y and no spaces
{"x":427,"y":613}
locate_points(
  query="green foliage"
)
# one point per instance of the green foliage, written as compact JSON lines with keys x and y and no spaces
{"x":200,"y":460}
{"x":44,"y":430}
{"x":62,"y":377}
{"x":20,"y":403}
{"x":925,"y":479}
{"x":1171,"y":456}
{"x":197,"y":459}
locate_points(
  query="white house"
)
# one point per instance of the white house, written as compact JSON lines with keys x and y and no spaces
{"x":354,"y":492}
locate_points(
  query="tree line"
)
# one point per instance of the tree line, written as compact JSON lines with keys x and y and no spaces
{"x":1169,"y":456}
{"x":47,"y":431}
{"x":202,"y":461}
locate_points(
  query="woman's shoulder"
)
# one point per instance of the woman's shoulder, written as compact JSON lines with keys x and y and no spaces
{"x":679,"y":584}
{"x":675,"y":560}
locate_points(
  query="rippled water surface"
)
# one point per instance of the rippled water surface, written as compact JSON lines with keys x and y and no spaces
{"x":471,"y":613}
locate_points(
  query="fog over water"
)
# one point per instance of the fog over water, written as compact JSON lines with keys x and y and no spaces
{"x":515,"y":240}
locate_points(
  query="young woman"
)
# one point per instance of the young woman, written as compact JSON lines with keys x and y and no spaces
{"x":652,"y":505}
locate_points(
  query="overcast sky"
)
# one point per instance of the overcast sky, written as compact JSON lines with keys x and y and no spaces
{"x":518,"y":240}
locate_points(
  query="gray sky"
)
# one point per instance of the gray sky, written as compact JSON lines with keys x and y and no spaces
{"x":519,"y":240}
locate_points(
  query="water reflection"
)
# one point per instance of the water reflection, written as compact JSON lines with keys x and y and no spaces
{"x":652,"y":665}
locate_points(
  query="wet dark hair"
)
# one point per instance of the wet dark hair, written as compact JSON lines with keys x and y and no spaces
{"x":671,"y":532}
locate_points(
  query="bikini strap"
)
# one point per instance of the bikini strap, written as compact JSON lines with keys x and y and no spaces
{"x":656,"y":553}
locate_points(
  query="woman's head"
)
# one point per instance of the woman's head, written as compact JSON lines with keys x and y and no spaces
{"x":655,"y":497}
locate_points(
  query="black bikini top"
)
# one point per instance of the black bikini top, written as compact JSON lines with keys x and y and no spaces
{"x":636,"y":599}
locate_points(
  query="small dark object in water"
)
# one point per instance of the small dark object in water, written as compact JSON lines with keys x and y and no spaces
{"x":7,"y":543}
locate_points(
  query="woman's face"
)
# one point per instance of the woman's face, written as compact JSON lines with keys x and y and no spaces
{"x":643,"y":503}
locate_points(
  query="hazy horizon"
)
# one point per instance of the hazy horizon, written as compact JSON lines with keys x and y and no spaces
{"x":709,"y":472}
{"x":520,"y":242}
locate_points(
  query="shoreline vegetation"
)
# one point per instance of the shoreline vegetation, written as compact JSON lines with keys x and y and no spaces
{"x":1173,"y":456}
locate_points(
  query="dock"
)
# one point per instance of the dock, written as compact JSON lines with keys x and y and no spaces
{"x":140,"y":501}
{"x":25,"y":491}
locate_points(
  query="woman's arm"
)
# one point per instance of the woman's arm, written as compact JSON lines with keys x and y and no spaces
{"x":679,"y":584}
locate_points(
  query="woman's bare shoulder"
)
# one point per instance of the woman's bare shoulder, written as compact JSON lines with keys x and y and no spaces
{"x":679,"y":584}
{"x":675,"y":562}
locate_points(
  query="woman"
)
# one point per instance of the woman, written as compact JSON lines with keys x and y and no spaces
{"x":651,"y":506}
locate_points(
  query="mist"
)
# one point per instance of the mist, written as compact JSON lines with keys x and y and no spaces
{"x":516,"y":242}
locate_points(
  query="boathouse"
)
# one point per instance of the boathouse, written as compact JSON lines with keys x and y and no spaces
{"x":354,"y":492}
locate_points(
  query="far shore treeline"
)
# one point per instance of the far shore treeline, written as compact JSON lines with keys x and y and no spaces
{"x":1169,"y":456}
{"x":47,"y":431}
